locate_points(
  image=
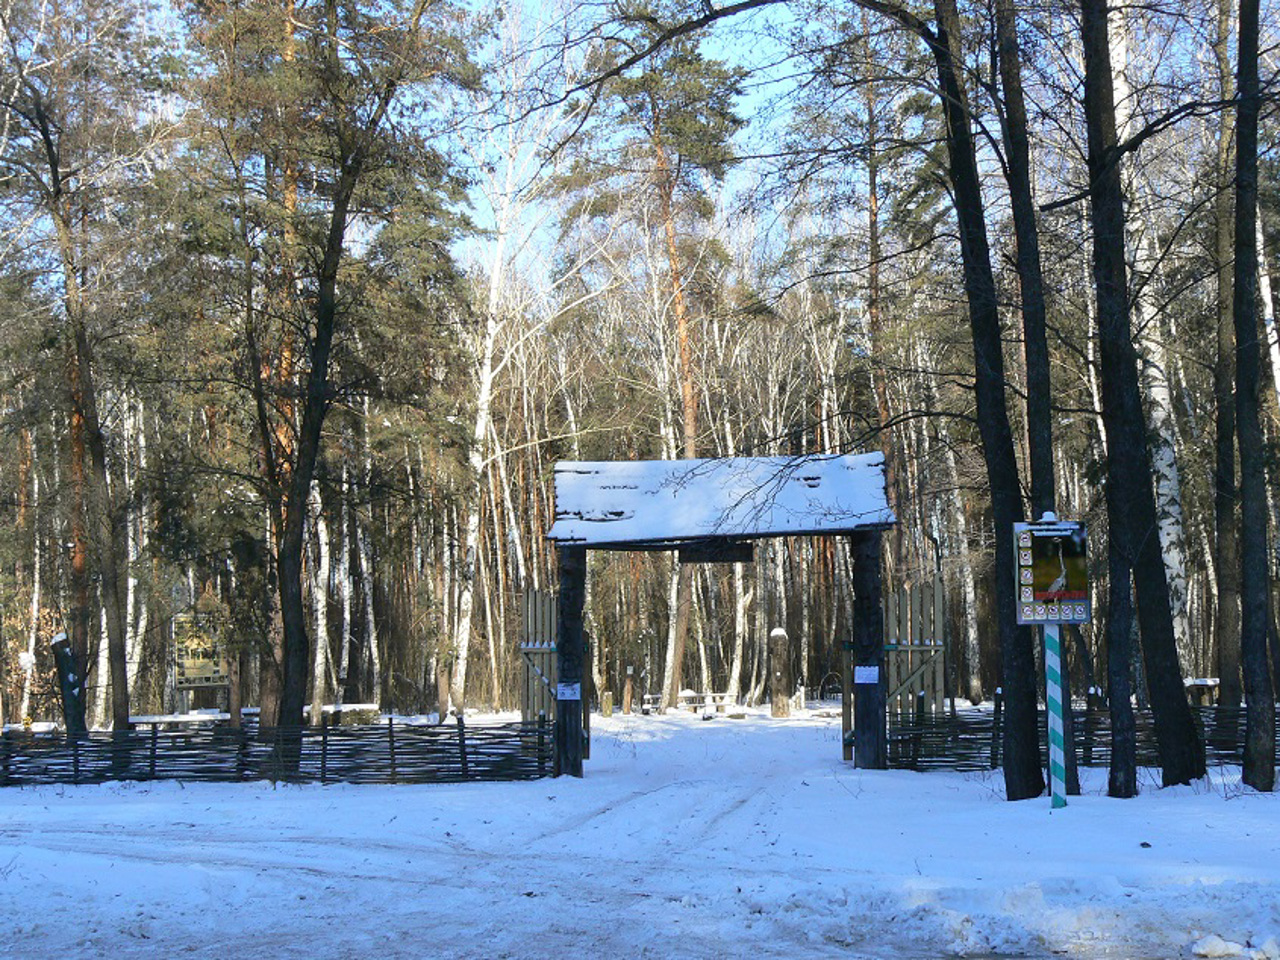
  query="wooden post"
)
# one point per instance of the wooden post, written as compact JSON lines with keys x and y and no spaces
{"x":235,"y":701}
{"x":542,"y":744}
{"x":628,"y":691}
{"x":588,"y":695}
{"x":995,"y":729}
{"x":462,"y":747}
{"x":779,"y":674}
{"x":391,"y":745}
{"x":846,"y":700}
{"x":870,"y":737}
{"x":569,"y":656}
{"x":324,"y":749}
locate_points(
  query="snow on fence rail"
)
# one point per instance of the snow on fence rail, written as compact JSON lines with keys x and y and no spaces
{"x":385,"y":753}
{"x":969,"y":740}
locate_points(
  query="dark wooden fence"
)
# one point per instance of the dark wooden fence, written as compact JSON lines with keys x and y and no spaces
{"x":970,"y":740}
{"x":385,"y":753}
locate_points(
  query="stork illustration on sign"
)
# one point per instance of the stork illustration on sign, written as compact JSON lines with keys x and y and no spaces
{"x":1060,"y":583}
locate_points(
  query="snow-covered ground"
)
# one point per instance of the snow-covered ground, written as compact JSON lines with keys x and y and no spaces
{"x":729,"y":838}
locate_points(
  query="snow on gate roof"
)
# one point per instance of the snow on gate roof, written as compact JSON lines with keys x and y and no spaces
{"x":668,"y":502}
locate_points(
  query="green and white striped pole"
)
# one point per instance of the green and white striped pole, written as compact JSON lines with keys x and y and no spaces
{"x":1053,"y":693}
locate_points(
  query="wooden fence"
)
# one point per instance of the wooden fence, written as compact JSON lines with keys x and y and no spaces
{"x":970,"y":740}
{"x":386,"y":753}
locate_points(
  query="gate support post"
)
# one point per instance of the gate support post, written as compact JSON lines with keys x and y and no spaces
{"x":569,"y":656}
{"x":870,"y":735}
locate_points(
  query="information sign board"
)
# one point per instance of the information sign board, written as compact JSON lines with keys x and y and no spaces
{"x":200,"y":659}
{"x":1052,"y":572}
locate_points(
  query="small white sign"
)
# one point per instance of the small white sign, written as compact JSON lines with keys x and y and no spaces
{"x":568,"y":691}
{"x":870,"y":675}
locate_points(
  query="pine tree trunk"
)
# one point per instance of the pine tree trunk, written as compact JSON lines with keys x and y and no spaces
{"x":1036,"y":347}
{"x":1259,"y":753}
{"x":1022,"y":770}
{"x":1122,"y":778}
{"x":1227,"y":554}
{"x":1131,"y":503}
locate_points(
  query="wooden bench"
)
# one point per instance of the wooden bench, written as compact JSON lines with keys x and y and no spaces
{"x":179,"y":721}
{"x":694,"y":702}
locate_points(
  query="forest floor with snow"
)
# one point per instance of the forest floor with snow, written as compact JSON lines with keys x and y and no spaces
{"x":728,"y":838}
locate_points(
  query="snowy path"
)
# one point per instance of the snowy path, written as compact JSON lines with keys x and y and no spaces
{"x":720,"y":839}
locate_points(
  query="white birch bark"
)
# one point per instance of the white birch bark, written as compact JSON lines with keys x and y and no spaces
{"x":741,"y":609}
{"x":136,"y":547}
{"x":806,"y":599}
{"x":320,"y":605}
{"x":101,"y":675}
{"x":514,"y":538}
{"x":476,"y":456}
{"x":1154,"y":354}
{"x":33,"y":632}
{"x":1268,"y":309}
{"x":969,"y":594}
{"x":364,"y":547}
{"x":344,"y":588}
{"x":512,"y":174}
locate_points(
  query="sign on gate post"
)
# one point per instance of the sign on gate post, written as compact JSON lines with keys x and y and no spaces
{"x":1053,"y":588}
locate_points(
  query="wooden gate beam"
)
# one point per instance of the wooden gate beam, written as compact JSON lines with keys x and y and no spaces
{"x":569,"y":656}
{"x":870,"y":734}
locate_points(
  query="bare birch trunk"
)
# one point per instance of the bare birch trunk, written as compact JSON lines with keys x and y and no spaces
{"x":1153,"y":353}
{"x":98,"y":711}
{"x":741,"y":607}
{"x":320,"y":606}
{"x":346,"y":516}
{"x":364,"y":547}
{"x":1268,"y":309}
{"x":137,"y":607}
{"x":37,"y":581}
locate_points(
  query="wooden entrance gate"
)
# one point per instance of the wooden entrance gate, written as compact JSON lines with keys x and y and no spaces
{"x":538,"y":653}
{"x":915,"y":648}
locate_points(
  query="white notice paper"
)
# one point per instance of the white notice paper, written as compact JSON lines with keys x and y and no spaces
{"x":866,"y":675}
{"x":568,"y":691}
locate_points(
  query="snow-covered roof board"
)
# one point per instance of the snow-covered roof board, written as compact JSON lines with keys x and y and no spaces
{"x":655,"y":502}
